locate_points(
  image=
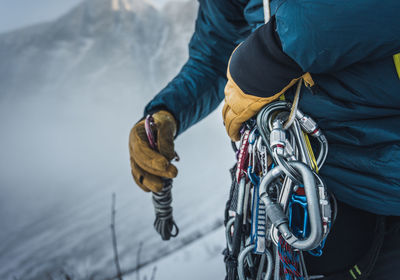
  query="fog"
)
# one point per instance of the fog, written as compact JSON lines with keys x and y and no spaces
{"x":70,"y":91}
{"x":16,"y":14}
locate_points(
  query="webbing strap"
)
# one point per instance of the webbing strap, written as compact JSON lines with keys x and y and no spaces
{"x":356,"y":273}
{"x":311,"y":152}
{"x":396,"y":59}
{"x":292,"y":115}
{"x":267,"y":11}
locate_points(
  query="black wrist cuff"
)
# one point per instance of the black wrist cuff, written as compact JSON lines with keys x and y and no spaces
{"x":259,"y":66}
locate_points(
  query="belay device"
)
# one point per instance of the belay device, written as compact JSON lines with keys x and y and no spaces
{"x":279,"y":206}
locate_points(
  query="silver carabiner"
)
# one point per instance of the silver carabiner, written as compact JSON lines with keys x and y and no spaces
{"x":244,"y":254}
{"x":277,"y":216}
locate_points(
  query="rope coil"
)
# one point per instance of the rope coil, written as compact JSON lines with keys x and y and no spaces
{"x":164,"y":223}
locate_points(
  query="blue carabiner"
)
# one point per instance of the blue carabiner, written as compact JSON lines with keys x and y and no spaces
{"x":298,"y":215}
{"x":298,"y":220}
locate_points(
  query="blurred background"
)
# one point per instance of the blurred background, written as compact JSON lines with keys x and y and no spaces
{"x":75,"y":76}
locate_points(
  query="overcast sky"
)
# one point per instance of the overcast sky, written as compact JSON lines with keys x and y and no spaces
{"x":19,"y":13}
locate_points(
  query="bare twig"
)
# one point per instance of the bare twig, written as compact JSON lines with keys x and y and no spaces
{"x":114,"y":238}
{"x":153,"y":274}
{"x":67,"y":277}
{"x":65,"y":274}
{"x":93,"y":276}
{"x":139,"y":252}
{"x":49,"y":276}
{"x":164,"y":252}
{"x":138,"y":265}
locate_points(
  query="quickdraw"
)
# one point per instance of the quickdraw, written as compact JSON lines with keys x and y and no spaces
{"x":282,"y":207}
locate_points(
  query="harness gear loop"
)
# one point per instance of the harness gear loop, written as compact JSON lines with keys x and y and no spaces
{"x":271,"y":195}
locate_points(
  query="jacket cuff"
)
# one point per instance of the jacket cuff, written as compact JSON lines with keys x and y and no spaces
{"x":260,"y":67}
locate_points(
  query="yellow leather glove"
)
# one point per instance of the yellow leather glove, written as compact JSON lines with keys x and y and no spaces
{"x":240,"y":107}
{"x":259,"y":72}
{"x":150,"y":166}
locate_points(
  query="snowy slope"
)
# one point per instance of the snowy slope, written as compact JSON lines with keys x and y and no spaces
{"x":199,"y":260}
{"x":70,"y":91}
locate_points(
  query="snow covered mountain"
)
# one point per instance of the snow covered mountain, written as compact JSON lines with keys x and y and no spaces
{"x":95,"y":45}
{"x":70,"y":90}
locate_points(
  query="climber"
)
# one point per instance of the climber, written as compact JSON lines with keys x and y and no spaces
{"x":345,"y":53}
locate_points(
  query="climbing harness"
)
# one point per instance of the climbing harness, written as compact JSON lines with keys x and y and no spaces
{"x":279,"y":207}
{"x":164,"y":223}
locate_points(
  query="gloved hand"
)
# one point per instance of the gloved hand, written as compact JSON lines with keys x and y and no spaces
{"x":259,"y":72}
{"x":240,"y":107}
{"x":150,"y":166}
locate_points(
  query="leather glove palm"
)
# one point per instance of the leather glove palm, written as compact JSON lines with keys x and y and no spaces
{"x":149,"y":166}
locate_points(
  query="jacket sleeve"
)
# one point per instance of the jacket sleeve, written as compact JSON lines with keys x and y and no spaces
{"x":319,"y":36}
{"x":198,"y":89}
{"x":325,"y":36}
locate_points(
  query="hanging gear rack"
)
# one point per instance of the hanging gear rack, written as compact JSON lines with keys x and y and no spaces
{"x":164,"y":223}
{"x":281,"y":207}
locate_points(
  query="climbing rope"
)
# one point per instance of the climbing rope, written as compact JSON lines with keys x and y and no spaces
{"x":164,"y":223}
{"x":290,"y":260}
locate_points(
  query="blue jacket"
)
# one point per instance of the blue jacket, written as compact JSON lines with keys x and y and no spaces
{"x":348,"y":47}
